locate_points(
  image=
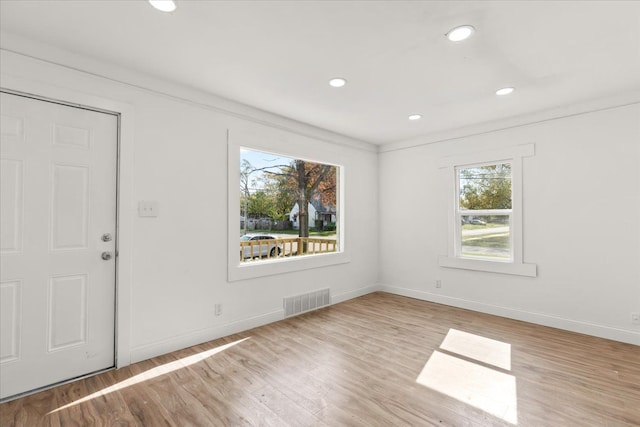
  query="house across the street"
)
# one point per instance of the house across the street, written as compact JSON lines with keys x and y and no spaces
{"x":320,"y":216}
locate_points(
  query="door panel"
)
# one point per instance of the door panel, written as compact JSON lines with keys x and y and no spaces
{"x":11,"y":212}
{"x":67,"y":311}
{"x":10,"y":317}
{"x":69,"y":207}
{"x":58,"y":198}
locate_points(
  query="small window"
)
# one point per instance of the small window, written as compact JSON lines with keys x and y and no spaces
{"x":485,"y":211}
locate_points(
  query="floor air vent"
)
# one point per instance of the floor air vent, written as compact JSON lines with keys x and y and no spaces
{"x":306,"y":302}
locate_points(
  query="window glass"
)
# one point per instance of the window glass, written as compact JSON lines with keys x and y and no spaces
{"x":484,"y":211}
{"x":292,"y":204}
{"x":485,"y":236}
{"x":485,"y":187}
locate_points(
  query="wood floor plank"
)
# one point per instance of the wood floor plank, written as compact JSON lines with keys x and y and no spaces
{"x":34,"y":410}
{"x":77,"y":415}
{"x":355,"y":364}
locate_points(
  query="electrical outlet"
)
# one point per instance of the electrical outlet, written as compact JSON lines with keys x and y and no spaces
{"x":438,"y":283}
{"x":217,"y":309}
{"x":635,"y":318}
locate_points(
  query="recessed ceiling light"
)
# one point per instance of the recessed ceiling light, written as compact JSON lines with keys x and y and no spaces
{"x":504,"y":91}
{"x":415,"y":116}
{"x":460,"y":33}
{"x":163,"y":5}
{"x":337,"y":82}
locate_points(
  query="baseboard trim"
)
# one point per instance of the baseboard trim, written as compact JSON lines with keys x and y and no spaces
{"x":601,"y":331}
{"x":345,"y":296}
{"x":179,"y":342}
{"x":158,"y":348}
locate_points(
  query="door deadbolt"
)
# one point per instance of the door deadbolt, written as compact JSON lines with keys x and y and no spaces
{"x":106,"y":237}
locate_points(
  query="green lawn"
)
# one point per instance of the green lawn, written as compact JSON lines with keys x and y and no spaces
{"x":488,"y":245}
{"x":492,"y":241}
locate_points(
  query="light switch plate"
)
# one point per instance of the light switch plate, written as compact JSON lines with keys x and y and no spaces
{"x":148,"y":208}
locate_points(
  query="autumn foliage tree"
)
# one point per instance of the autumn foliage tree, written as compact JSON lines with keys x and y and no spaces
{"x":308,"y":179}
{"x":486,"y":187}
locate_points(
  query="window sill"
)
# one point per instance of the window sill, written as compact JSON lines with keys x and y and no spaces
{"x":518,"y":269}
{"x":252,"y":270}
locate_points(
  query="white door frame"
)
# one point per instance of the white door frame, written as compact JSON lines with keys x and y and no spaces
{"x":125,"y":204}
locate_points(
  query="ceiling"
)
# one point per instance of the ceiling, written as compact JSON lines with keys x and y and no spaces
{"x":279,"y":55}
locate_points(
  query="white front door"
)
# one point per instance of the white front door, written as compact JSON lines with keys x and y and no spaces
{"x":58,"y":220}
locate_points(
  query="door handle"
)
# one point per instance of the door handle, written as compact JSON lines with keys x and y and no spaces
{"x":107,"y":256}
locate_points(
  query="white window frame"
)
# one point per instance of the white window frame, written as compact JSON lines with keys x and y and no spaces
{"x":293,"y":146}
{"x":515,"y":265}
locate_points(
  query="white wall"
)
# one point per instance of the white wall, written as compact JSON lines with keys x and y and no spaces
{"x":176,"y":154}
{"x":581,"y":224}
{"x":581,"y":221}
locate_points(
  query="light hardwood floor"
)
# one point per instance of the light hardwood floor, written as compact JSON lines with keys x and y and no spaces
{"x":357,"y":363}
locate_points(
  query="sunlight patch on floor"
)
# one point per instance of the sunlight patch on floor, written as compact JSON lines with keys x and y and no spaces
{"x":472,"y":383}
{"x":153,"y":373}
{"x":486,"y":350}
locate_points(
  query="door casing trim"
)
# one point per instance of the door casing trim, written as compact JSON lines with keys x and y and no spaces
{"x":124,"y":191}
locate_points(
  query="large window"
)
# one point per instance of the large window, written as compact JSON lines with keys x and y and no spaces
{"x":285,"y":204}
{"x":288,"y":207}
{"x":485,"y":228}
